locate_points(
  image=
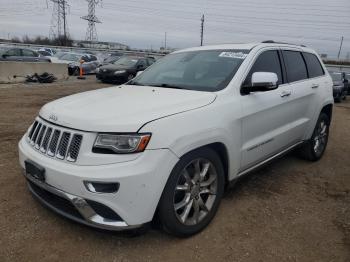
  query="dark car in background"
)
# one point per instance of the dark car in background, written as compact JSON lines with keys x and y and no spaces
{"x":347,"y":81}
{"x":123,"y":70}
{"x":21,"y":55}
{"x":340,"y":86}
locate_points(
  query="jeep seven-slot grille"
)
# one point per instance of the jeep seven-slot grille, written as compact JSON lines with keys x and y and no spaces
{"x":55,"y":142}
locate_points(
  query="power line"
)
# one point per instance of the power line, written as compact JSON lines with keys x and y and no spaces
{"x":91,"y":33}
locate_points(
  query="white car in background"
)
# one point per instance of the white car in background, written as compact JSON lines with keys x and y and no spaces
{"x":174,"y":137}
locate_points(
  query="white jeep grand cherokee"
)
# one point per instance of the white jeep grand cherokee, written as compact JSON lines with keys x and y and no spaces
{"x":168,"y":142}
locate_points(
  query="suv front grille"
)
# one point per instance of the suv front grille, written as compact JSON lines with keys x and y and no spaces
{"x":55,"y":142}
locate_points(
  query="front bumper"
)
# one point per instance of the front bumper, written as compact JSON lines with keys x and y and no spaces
{"x":110,"y":77}
{"x":141,"y":184}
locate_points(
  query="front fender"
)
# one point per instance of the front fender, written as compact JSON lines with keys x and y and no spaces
{"x":190,"y":130}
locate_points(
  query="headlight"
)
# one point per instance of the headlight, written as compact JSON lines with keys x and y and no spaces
{"x":97,"y":69}
{"x":121,"y":144}
{"x":119,"y":72}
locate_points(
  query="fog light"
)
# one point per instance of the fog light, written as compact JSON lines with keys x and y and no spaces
{"x":101,"y":187}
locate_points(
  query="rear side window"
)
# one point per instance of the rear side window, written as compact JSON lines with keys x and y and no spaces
{"x":27,"y":52}
{"x":295,"y":65}
{"x":268,"y":61}
{"x":313,"y":65}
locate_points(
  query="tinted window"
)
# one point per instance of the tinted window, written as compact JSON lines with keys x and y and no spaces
{"x":267,"y":62}
{"x":150,"y":60}
{"x":296,"y":68}
{"x":313,"y":65}
{"x":27,"y":52}
{"x":142,"y":63}
{"x":14,"y":52}
{"x":86,"y":58}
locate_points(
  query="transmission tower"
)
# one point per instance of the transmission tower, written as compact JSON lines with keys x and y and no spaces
{"x":58,"y":28}
{"x":91,"y":33}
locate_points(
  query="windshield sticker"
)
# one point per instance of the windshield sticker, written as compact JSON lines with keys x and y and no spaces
{"x":238,"y":55}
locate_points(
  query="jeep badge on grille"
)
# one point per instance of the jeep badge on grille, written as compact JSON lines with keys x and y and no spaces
{"x":53,"y":117}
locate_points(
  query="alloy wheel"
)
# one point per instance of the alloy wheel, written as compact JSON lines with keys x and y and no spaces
{"x":195,"y":191}
{"x":320,"y":139}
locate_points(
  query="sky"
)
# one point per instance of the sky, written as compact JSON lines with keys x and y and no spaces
{"x":319,"y":24}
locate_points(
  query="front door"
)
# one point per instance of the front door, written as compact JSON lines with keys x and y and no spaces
{"x":266,"y":115}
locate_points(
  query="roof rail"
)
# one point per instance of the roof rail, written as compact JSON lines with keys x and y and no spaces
{"x":274,"y":42}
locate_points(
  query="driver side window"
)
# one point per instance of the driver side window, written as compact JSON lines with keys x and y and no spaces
{"x":268,"y":61}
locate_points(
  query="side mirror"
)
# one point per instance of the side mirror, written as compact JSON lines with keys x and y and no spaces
{"x":262,"y":82}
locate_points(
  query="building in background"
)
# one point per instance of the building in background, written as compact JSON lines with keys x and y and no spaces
{"x":100,"y":44}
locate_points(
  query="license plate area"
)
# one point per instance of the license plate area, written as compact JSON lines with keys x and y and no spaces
{"x":34,"y":170}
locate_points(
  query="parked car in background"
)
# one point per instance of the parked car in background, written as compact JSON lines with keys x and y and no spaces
{"x":21,"y":55}
{"x":51,"y":51}
{"x":122,"y":70}
{"x":44,"y":53}
{"x":90,"y":64}
{"x":347,"y":81}
{"x":340,"y":86}
{"x":73,"y":61}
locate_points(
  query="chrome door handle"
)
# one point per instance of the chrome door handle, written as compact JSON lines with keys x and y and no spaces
{"x":314,"y":86}
{"x":285,"y":93}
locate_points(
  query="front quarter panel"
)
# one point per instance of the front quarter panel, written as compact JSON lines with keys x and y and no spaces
{"x":215,"y":123}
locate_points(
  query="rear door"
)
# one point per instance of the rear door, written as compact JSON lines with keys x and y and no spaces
{"x":29,"y":55}
{"x":266,"y":115}
{"x":305,"y":77}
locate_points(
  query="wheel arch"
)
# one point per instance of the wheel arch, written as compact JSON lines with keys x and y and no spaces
{"x":219,"y":148}
{"x":328,"y":110}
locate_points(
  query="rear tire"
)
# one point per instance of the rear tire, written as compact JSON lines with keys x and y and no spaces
{"x":314,"y":148}
{"x":192,"y":194}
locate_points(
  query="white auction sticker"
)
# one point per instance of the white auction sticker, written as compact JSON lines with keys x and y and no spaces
{"x":239,"y":55}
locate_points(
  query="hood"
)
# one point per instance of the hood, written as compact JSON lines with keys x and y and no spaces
{"x":122,"y":108}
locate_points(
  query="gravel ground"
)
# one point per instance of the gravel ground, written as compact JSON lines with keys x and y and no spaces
{"x":291,"y":210}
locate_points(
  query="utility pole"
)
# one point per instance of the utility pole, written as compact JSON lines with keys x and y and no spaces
{"x":341,"y":44}
{"x":202,"y":29}
{"x":165,"y":41}
{"x":91,"y":33}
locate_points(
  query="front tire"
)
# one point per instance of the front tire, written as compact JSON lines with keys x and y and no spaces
{"x":314,"y":148}
{"x":192,"y":194}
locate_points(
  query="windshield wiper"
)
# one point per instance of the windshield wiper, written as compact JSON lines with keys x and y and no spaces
{"x":168,"y":86}
{"x":134,"y":83}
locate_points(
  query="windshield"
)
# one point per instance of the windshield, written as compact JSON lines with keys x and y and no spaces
{"x":111,"y":59}
{"x":207,"y":70}
{"x":71,"y":57}
{"x":126,"y":61}
{"x":336,"y":76}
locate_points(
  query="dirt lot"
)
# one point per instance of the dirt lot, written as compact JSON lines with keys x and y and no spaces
{"x":291,"y":210}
